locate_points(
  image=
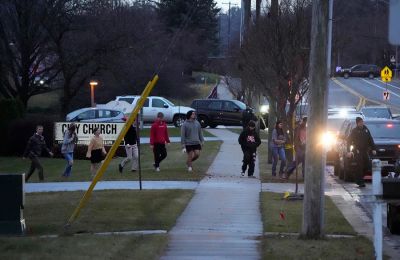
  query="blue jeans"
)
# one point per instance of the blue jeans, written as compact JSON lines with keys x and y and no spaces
{"x":278,"y":153}
{"x":68,"y":168}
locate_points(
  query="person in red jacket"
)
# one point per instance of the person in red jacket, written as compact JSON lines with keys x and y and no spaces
{"x":158,"y":139}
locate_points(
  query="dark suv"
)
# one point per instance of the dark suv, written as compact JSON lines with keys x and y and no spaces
{"x":213,"y":112}
{"x":361,"y":70}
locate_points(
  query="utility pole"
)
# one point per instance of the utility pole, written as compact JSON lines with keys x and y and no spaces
{"x":329,"y":58}
{"x":229,"y":24}
{"x":313,"y":205}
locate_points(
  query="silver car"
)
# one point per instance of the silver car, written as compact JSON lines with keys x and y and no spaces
{"x":96,"y":114}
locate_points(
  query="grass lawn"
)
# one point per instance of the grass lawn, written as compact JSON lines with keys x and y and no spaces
{"x":172,"y":132}
{"x":276,"y":247}
{"x":46,"y":213}
{"x":172,"y":168}
{"x":263,"y":133}
{"x":266,"y":168}
{"x":272,"y":204}
{"x":289,"y":248}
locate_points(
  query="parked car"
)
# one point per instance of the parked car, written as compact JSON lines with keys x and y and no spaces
{"x":331,"y":136}
{"x":361,"y":70}
{"x":377,"y":112}
{"x":386,"y":135}
{"x":153,"y":105}
{"x":96,"y":114}
{"x":214,"y":112}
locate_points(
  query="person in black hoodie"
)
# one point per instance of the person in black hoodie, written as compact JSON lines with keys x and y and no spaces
{"x":249,"y":140}
{"x":131,"y":148}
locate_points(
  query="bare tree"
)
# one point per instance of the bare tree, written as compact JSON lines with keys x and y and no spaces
{"x":28,"y":66}
{"x":274,"y":58}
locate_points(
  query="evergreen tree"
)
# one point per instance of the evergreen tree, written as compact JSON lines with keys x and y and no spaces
{"x":200,"y":15}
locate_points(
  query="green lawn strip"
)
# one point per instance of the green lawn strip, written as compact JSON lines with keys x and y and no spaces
{"x":84,"y":247}
{"x":266,"y":168}
{"x":172,"y":168}
{"x":273,"y":203}
{"x":276,"y":247}
{"x":335,"y":248}
{"x":172,"y":132}
{"x":106,"y":211}
{"x":263,"y":133}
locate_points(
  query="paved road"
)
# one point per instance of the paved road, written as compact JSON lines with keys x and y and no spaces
{"x":370,"y":90}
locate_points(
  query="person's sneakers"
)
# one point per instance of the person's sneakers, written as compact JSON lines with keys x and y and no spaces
{"x":120,"y":168}
{"x":133,"y":170}
{"x":190,"y":169}
{"x":252,"y":176}
{"x":157,"y":169}
{"x":242,"y":174}
{"x":361,"y":185}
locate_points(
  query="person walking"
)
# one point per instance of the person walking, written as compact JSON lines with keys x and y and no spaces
{"x":300,"y":138}
{"x":191,"y":138}
{"x":96,"y":151}
{"x":249,"y":140}
{"x":158,"y":138}
{"x":33,"y":150}
{"x":67,"y":148}
{"x":131,"y":148}
{"x":361,"y":141}
{"x":278,"y":148}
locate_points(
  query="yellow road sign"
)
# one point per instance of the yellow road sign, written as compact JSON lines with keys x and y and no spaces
{"x":386,"y":79}
{"x":386,"y":73}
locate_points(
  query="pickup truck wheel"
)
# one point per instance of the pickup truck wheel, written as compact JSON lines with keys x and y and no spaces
{"x":346,"y":75}
{"x":213,"y":125}
{"x":178,"y":120}
{"x":203,"y":121}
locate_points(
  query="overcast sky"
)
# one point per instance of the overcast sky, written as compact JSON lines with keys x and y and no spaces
{"x":224,"y":4}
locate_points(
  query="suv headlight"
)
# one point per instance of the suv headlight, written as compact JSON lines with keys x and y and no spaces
{"x":264,"y":109}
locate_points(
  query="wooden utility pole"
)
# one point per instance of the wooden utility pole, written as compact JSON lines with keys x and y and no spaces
{"x":313,"y":207}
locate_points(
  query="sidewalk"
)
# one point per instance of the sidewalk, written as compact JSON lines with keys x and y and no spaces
{"x":223,"y":219}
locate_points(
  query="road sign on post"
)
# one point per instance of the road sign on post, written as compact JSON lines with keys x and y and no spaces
{"x":386,"y":74}
{"x":394,"y":21}
{"x":386,"y":95}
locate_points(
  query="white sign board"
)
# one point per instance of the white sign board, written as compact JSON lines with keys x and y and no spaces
{"x":394,"y":22}
{"x":108,"y":131}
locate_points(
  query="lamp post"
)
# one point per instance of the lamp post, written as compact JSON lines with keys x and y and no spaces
{"x":92,"y":85}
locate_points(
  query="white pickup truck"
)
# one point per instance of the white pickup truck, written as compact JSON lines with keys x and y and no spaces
{"x":153,"y":105}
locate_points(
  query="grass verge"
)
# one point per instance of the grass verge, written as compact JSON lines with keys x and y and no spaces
{"x":107,"y":211}
{"x":172,"y":132}
{"x":272,"y":204}
{"x":172,"y":168}
{"x":289,"y":247}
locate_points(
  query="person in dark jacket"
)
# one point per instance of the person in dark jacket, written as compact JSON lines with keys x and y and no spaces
{"x":300,"y":138}
{"x":249,"y":140}
{"x":34,"y":148}
{"x":158,"y":138}
{"x":131,"y":148}
{"x":359,"y":144}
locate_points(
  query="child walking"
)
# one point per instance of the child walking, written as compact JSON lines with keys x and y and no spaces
{"x":249,"y":140}
{"x":96,"y":151}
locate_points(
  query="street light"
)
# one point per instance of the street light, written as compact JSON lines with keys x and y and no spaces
{"x":92,"y":85}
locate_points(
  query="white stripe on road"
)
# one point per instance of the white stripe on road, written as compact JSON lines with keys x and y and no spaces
{"x":391,"y":92}
{"x":396,"y":87}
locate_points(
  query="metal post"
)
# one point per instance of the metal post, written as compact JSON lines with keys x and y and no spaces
{"x":92,"y":95}
{"x":377,"y":215}
{"x":139,"y":147}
